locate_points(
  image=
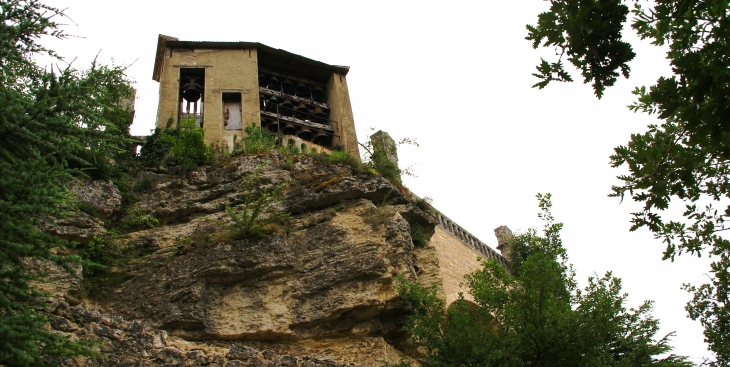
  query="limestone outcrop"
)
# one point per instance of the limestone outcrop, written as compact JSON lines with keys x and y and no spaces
{"x":132,"y":343}
{"x":318,"y":291}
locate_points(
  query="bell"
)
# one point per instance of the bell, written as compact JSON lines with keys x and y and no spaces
{"x":289,"y":129}
{"x":191,"y":90}
{"x":262,"y":80}
{"x":319,"y":112}
{"x":321,"y":138}
{"x":271,"y":104}
{"x":274,"y":83}
{"x":286,"y":108}
{"x":302,"y":111}
{"x":273,"y":126}
{"x":302,"y":90}
{"x":318,"y":94}
{"x":306,"y":134}
{"x":287,"y":86}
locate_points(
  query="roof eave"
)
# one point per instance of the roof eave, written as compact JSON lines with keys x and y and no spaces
{"x":165,"y":42}
{"x":159,"y":57}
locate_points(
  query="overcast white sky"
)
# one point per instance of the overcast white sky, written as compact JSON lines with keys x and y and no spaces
{"x":455,"y":75}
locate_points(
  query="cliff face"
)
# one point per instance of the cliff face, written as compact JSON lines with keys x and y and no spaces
{"x":318,"y":291}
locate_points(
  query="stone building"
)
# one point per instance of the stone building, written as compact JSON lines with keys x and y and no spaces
{"x":225,"y":86}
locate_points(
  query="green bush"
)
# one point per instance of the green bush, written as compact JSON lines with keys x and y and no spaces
{"x":377,"y":158}
{"x":155,"y":149}
{"x":341,"y":156}
{"x":536,"y":316}
{"x":257,"y":140}
{"x":145,"y":183}
{"x":97,"y":258}
{"x":188,"y":145}
{"x":418,"y":235}
{"x":184,"y":146}
{"x":237,"y":146}
{"x":426,"y":204}
{"x":257,"y":217}
{"x":87,"y":208}
{"x":290,"y":149}
{"x":138,"y":217}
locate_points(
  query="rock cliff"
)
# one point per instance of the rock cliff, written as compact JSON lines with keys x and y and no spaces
{"x":317,"y":291}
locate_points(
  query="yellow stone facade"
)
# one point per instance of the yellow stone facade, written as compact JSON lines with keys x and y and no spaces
{"x":455,"y":261}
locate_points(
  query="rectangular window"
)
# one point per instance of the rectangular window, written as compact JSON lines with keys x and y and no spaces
{"x":192,"y":95}
{"x":232,"y":110}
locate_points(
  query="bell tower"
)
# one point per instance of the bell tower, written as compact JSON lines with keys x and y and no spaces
{"x":226,"y":86}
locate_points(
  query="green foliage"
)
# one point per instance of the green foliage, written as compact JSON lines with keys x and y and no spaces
{"x":155,"y":149}
{"x":137,"y":217}
{"x":589,"y":33}
{"x":381,"y":214}
{"x":110,"y":109}
{"x":257,"y":140}
{"x":184,"y":146}
{"x":210,"y":233}
{"x":537,"y":317}
{"x":426,"y":204}
{"x":53,"y":122}
{"x":290,"y":149}
{"x":88,"y":208}
{"x":341,"y":156}
{"x":219,"y":153}
{"x":379,"y":156}
{"x":98,"y":257}
{"x":530,"y":243}
{"x":144,"y":183}
{"x":187,"y":145}
{"x":685,"y":159}
{"x":418,"y":235}
{"x":258,"y":215}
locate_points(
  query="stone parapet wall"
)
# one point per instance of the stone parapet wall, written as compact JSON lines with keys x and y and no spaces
{"x":469,"y":239}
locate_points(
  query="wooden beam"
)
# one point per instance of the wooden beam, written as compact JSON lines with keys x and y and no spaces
{"x":271,"y":92}
{"x":300,"y":122}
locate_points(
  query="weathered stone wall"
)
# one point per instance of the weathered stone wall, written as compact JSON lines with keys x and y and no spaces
{"x":458,"y":251}
{"x":338,"y":97}
{"x":470,"y":240}
{"x":225,"y":71}
{"x":455,"y":261}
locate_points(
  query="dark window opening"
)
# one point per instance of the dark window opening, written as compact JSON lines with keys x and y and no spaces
{"x":192,"y":95}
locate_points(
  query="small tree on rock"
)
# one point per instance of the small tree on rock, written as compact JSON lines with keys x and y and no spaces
{"x":537,"y":317}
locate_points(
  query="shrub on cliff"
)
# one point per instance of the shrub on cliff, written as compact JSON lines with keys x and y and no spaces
{"x":381,"y":156}
{"x":257,"y":140}
{"x":537,"y":317}
{"x":258,"y":215}
{"x":187,"y":146}
{"x":341,"y":156}
{"x":183,"y":145}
